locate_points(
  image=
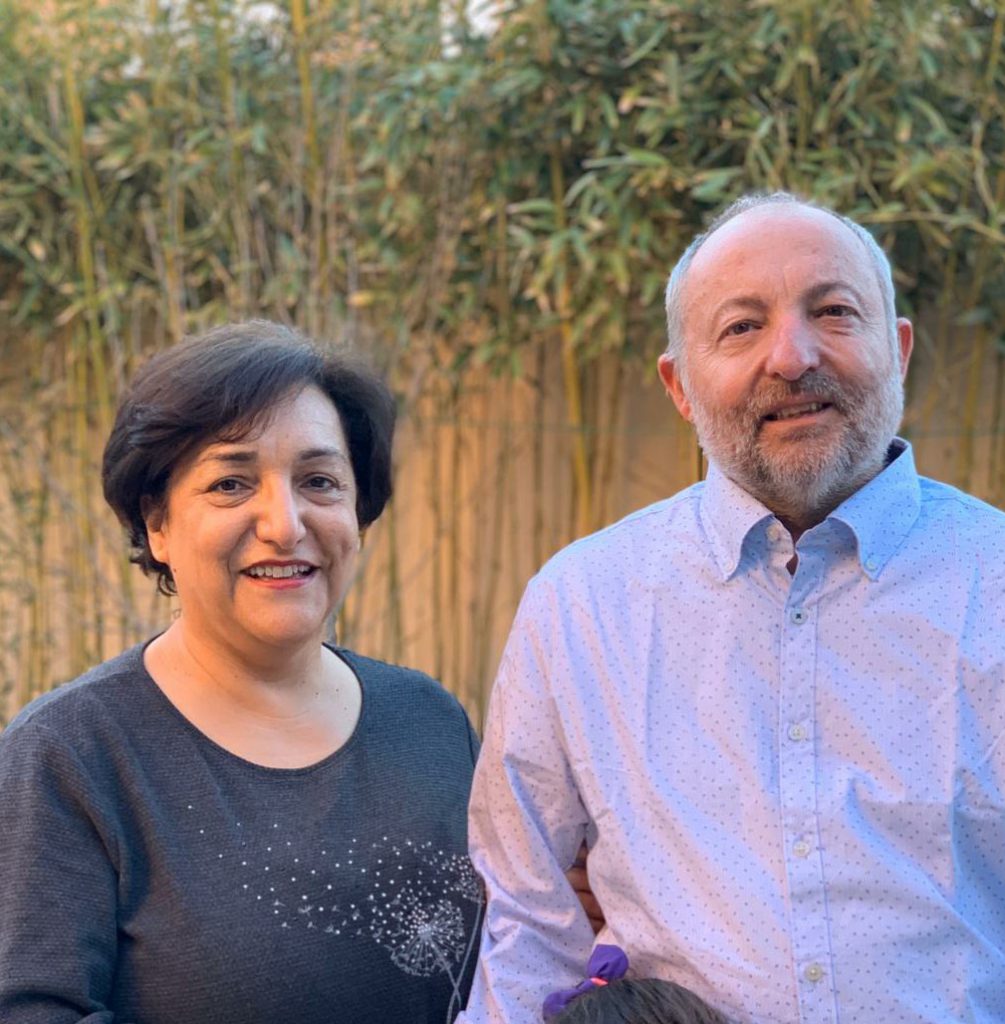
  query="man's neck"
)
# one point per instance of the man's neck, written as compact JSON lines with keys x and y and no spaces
{"x":799,"y":512}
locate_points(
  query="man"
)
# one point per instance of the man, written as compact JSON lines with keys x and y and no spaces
{"x":774,"y":704}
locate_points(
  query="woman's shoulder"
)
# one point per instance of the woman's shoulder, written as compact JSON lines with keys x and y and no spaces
{"x":411,"y":715}
{"x":395,"y":677}
{"x":410,"y":691}
{"x":72,"y":707}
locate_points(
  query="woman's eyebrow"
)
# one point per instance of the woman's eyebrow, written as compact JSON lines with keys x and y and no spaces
{"x":230,"y":456}
{"x":322,"y":453}
{"x":246,"y":455}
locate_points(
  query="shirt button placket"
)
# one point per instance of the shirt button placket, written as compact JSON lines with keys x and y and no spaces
{"x":798,"y":784}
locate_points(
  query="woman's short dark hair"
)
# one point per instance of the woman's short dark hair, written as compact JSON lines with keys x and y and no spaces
{"x":639,"y":1001}
{"x":218,"y":387}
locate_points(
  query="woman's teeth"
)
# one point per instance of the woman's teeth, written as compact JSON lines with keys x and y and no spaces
{"x":279,"y":572}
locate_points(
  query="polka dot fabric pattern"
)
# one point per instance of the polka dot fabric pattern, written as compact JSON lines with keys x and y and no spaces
{"x":793,"y":784}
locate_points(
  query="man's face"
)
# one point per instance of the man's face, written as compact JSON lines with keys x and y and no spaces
{"x":790,"y":371}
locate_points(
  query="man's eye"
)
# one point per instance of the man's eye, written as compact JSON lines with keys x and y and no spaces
{"x":739,"y":328}
{"x":836,"y":310}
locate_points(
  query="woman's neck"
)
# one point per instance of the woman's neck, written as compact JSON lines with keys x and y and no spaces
{"x":287,"y":711}
{"x":276,"y":682}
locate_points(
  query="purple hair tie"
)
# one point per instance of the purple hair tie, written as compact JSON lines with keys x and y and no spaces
{"x":607,"y":963}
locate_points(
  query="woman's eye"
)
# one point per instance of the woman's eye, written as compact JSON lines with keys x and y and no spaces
{"x":322,"y":483}
{"x":229,"y":485}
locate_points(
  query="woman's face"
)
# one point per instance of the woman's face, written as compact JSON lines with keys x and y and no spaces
{"x":261,"y":533}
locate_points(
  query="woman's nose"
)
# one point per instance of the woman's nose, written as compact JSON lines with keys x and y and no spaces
{"x":279,"y":521}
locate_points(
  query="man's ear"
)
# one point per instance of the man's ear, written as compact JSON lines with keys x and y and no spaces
{"x":905,"y":343}
{"x":154,"y":519}
{"x":670,"y":376}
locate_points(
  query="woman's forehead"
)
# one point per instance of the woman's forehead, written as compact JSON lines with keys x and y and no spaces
{"x":306,"y":420}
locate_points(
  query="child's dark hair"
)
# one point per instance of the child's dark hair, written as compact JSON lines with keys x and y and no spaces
{"x":639,"y":1001}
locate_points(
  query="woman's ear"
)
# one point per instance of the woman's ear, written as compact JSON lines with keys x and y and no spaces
{"x":155,"y":519}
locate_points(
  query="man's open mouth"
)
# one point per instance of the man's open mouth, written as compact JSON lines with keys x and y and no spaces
{"x":793,"y":411}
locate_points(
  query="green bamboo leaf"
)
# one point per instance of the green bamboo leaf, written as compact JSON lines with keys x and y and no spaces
{"x":655,"y":38}
{"x":710,"y":186}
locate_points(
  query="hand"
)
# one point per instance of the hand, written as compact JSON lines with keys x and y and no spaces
{"x":578,"y":877}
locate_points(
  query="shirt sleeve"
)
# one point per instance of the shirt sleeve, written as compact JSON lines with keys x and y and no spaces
{"x":526,"y":825}
{"x":57,"y":887}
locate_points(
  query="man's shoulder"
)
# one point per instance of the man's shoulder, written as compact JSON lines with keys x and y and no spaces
{"x":627,"y":545}
{"x":948,"y":508}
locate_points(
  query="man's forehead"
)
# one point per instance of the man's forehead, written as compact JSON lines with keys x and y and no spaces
{"x":769,"y":235}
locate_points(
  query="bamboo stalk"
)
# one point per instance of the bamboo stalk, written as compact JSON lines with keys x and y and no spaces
{"x":608,"y":441}
{"x":454,"y":557}
{"x":314,"y":188}
{"x":238,"y":208}
{"x":539,"y":544}
{"x":73,"y":558}
{"x":298,"y":20}
{"x":85,"y":242}
{"x":571,"y":380}
{"x":40,"y":640}
{"x":493,"y":549}
{"x":394,"y":620}
{"x":978,"y":351}
{"x":439,"y":530}
{"x":996,"y":487}
{"x":26,"y":677}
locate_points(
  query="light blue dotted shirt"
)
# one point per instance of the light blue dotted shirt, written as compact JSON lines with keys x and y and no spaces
{"x":793,"y":786}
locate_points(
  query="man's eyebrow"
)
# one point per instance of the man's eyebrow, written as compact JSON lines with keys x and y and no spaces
{"x":824,"y":288}
{"x":740,"y":302}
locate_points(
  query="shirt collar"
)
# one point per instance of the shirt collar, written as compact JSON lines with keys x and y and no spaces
{"x":880,"y":514}
{"x":728,"y":513}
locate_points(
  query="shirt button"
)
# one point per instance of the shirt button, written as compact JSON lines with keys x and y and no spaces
{"x":798,"y":616}
{"x":774,"y":533}
{"x":801,"y":848}
{"x":813,"y":973}
{"x":797,"y":732}
{"x":872,"y":565}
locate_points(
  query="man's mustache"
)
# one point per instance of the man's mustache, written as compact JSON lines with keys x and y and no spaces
{"x":813,"y":386}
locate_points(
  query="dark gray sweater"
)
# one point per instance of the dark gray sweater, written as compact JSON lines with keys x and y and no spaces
{"x":147,"y":876}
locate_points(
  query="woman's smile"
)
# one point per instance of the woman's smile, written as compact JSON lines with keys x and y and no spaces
{"x":261,"y":532}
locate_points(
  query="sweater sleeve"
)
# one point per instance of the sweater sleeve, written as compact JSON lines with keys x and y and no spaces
{"x":57,"y":885}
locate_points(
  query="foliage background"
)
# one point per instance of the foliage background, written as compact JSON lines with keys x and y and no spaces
{"x":491,"y":217}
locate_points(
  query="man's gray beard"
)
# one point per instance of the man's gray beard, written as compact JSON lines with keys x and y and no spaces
{"x":818,"y":472}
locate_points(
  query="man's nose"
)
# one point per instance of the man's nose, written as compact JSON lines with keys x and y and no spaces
{"x":795,"y":349}
{"x":279,"y":521}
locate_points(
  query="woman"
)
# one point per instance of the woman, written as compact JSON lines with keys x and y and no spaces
{"x":236,"y":823}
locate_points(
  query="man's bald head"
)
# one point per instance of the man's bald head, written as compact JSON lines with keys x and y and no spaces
{"x":757,"y":200}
